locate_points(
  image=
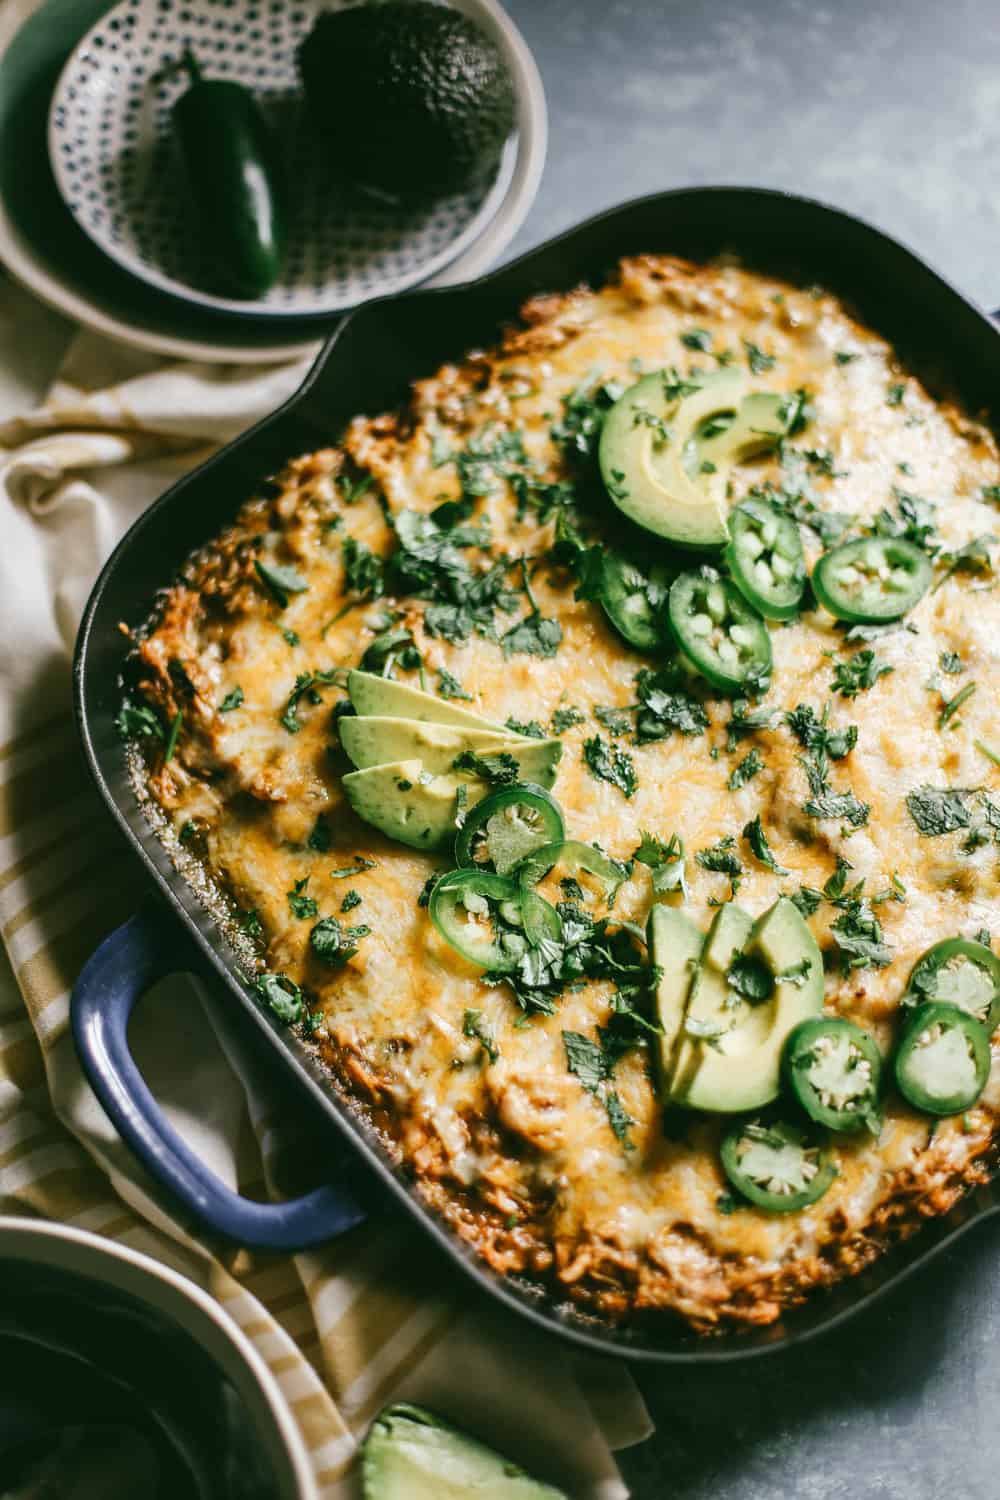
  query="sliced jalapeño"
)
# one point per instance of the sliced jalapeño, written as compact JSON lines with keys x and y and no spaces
{"x":719,"y":633}
{"x":874,"y":579}
{"x":765,"y":559}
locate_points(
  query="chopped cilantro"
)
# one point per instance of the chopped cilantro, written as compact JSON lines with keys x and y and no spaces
{"x":664,"y":705}
{"x":291,"y":638}
{"x":138,"y":721}
{"x":838,"y":805}
{"x":250,"y":923}
{"x":535,"y":635}
{"x":531,"y":728}
{"x":350,"y":901}
{"x":761,"y":850}
{"x":280,"y":580}
{"x":497,"y":769}
{"x":720,"y":858}
{"x":665,"y":861}
{"x":364,"y":570}
{"x":474,"y":1028}
{"x":860,"y":671}
{"x":584,"y":410}
{"x":953,"y":705}
{"x":281,"y":995}
{"x":750,"y":977}
{"x":895,"y":394}
{"x":172,"y":736}
{"x":593,"y":1065}
{"x":615,"y":720}
{"x":698,"y":339}
{"x":974,"y":557}
{"x":758,"y":361}
{"x":566,"y":718}
{"x":307,"y":685}
{"x":938,"y":810}
{"x":858,"y":934}
{"x":334,"y":944}
{"x":233,"y":699}
{"x":353,"y":489}
{"x":610,"y":763}
{"x":450,"y":687}
{"x":845,"y":356}
{"x":357,"y":868}
{"x":808,"y":900}
{"x":747,"y":769}
{"x":951,"y":662}
{"x":299,"y":904}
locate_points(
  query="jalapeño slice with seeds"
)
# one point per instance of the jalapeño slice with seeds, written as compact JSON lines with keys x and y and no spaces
{"x":716,"y":629}
{"x":874,"y":579}
{"x":633,"y":601}
{"x":765,"y":559}
{"x":943,"y":1060}
{"x":959,"y":972}
{"x":502,"y":829}
{"x":833,"y":1068}
{"x":777,"y":1166}
{"x":487,"y":919}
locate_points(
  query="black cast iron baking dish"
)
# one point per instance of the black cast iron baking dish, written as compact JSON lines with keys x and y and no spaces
{"x":366,"y":366}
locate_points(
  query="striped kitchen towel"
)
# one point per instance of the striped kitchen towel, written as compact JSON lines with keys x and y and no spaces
{"x":378,"y":1314}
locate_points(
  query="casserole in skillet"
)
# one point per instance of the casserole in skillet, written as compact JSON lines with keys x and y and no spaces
{"x":564,"y":1111}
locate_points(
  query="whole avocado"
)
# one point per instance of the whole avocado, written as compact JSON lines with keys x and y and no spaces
{"x":415,"y":98}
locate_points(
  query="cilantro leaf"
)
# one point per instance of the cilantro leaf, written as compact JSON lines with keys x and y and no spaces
{"x":755,"y":836}
{"x":498,"y":769}
{"x":610,"y":763}
{"x":860,"y":671}
{"x":938,"y":810}
{"x":233,"y":699}
{"x":138,"y":721}
{"x":450,"y":687}
{"x":665,"y":861}
{"x":566,"y":718}
{"x":748,"y":767}
{"x":535,"y":635}
{"x":299,"y":904}
{"x":474,"y":1028}
{"x":280,"y":581}
{"x":281,"y":995}
{"x":364,"y":571}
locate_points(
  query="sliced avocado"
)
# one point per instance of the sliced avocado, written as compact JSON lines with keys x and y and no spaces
{"x":675,"y":944}
{"x":409,"y":804}
{"x":384,"y":697}
{"x":410,"y":1454}
{"x":757,"y":426}
{"x":374,"y":740}
{"x":742,"y":1070}
{"x":713,"y":1003}
{"x":646,"y":457}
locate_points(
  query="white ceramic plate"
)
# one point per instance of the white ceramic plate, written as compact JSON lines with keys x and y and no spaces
{"x":117,"y":167}
{"x":184,"y":1304}
{"x":119,"y":307}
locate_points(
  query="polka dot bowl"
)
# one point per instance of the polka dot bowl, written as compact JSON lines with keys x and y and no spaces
{"x":118,"y":169}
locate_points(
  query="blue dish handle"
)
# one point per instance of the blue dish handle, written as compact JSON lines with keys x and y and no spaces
{"x":144,"y":949}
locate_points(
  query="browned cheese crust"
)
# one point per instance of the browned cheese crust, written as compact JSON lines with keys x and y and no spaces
{"x":515,"y":1154}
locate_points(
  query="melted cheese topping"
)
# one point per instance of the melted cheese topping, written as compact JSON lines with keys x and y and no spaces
{"x":515,"y":1152}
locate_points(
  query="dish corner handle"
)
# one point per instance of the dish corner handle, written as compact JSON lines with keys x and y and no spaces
{"x":144,"y":949}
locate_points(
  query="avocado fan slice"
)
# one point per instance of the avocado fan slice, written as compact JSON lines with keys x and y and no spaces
{"x":386,"y":698}
{"x":411,"y":1454}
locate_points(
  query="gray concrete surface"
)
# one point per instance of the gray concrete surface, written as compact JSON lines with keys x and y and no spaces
{"x":892,"y":110}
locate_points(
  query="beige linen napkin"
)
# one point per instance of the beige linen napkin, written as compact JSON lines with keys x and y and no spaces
{"x":373,"y":1316}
